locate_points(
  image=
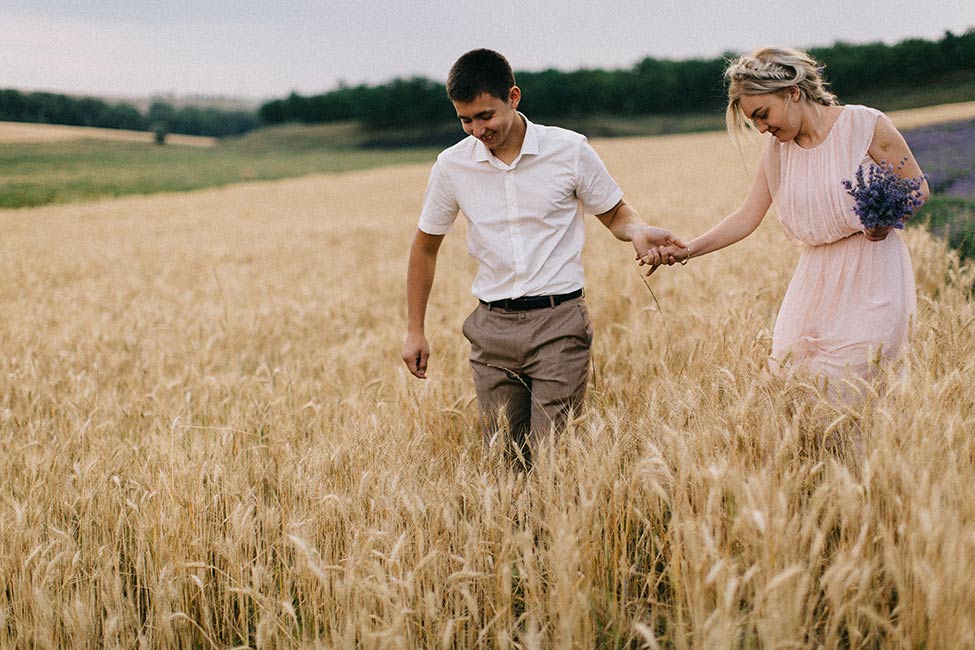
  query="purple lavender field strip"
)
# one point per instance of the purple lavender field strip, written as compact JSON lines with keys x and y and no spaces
{"x":963,"y":188}
{"x":946,"y":153}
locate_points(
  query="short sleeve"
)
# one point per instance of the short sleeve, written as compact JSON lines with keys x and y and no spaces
{"x":440,"y":206}
{"x":596,"y":189}
{"x":864,"y":124}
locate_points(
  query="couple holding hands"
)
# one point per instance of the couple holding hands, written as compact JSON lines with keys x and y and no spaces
{"x":524,"y":189}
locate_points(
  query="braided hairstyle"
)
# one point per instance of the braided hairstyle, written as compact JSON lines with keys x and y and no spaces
{"x":769,"y":70}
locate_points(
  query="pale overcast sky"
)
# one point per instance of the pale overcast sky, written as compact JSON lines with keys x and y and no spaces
{"x":266,"y":49}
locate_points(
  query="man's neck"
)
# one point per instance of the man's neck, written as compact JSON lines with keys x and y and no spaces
{"x":512,"y":144}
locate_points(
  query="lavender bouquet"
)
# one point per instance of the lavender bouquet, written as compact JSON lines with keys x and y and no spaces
{"x":883,"y":198}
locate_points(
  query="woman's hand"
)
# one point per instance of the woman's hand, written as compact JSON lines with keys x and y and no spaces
{"x":877,"y":234}
{"x":661,"y":255}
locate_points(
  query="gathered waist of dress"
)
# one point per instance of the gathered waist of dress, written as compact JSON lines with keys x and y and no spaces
{"x":838,"y":240}
{"x":857,"y":240}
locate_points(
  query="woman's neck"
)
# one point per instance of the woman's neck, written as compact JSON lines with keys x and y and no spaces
{"x":816,"y":121}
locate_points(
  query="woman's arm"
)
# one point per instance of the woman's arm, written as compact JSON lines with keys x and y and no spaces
{"x":734,"y":227}
{"x":888,"y":145}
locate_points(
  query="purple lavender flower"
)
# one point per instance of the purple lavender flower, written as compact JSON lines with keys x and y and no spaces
{"x":883,"y":198}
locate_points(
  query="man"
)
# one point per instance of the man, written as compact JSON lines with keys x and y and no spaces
{"x":523,"y":189}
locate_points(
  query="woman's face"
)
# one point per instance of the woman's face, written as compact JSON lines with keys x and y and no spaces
{"x":777,"y":113}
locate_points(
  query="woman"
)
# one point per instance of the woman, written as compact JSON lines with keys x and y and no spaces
{"x":852,"y":295}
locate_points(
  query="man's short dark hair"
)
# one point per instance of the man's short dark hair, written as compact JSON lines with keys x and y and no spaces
{"x":477,"y":72}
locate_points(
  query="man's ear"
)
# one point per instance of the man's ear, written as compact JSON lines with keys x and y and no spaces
{"x":514,"y":96}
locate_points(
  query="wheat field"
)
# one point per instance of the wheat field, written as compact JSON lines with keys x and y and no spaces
{"x":209,"y":441}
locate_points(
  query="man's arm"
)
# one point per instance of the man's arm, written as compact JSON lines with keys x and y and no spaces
{"x":626,"y":225}
{"x":419,"y":281}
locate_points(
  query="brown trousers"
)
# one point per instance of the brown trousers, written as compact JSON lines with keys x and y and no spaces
{"x":530,"y":369}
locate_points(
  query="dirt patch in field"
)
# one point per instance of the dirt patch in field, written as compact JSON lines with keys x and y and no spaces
{"x":27,"y":132}
{"x":915,"y":117}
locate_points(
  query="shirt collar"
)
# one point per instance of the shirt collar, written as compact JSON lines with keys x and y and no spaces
{"x":529,"y":145}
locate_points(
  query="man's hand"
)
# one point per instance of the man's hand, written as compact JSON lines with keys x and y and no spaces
{"x":626,"y":225}
{"x":648,"y":242}
{"x":416,"y":352}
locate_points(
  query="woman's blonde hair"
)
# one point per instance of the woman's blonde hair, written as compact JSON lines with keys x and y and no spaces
{"x":769,"y":70}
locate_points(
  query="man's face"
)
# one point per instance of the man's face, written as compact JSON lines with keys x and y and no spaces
{"x":488,"y":118}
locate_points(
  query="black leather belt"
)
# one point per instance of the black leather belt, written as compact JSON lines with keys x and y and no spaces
{"x":531,"y":302}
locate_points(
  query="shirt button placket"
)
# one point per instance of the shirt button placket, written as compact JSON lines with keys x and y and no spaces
{"x":517,"y":241}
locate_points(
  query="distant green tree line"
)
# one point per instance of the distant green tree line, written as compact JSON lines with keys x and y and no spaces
{"x":197,"y":120}
{"x":651,"y":86}
{"x":52,"y":108}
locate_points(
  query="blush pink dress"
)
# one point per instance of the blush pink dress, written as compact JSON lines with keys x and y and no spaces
{"x":850,"y":301}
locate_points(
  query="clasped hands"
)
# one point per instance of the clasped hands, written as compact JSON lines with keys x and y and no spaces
{"x":672,"y":252}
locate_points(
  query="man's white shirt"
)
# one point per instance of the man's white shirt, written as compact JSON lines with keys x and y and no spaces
{"x":525,"y":223}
